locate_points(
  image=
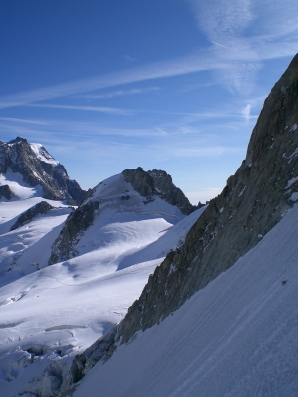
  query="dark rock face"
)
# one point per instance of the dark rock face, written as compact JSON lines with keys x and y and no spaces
{"x":158,"y":183}
{"x":141,"y":181}
{"x":6,"y":192}
{"x":18,"y":156}
{"x":172,"y":194}
{"x":102,"y":348}
{"x":41,"y":208}
{"x":253,"y":201}
{"x":77,"y":222}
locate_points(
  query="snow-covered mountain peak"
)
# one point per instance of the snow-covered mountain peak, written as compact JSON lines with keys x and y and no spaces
{"x":126,"y":198}
{"x":157,"y":183}
{"x":142,"y":191}
{"x":128,"y":192}
{"x":38,"y":169}
{"x":110,"y":188}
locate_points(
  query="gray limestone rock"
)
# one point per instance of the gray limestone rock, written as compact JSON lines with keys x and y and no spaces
{"x":41,"y":208}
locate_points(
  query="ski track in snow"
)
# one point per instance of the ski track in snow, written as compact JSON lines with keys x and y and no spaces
{"x":69,"y":305}
{"x":238,"y":337}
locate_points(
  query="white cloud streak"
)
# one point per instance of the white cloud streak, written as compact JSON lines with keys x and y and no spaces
{"x":242,"y":34}
{"x":118,"y":93}
{"x":189,"y":64}
{"x":22,"y":121}
{"x":101,"y":109}
{"x":246,"y":112}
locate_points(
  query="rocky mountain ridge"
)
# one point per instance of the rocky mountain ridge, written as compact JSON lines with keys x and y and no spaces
{"x":38,"y":168}
{"x":77,"y":222}
{"x":134,"y":190}
{"x":255,"y":198}
{"x":38,"y":209}
{"x":158,"y":183}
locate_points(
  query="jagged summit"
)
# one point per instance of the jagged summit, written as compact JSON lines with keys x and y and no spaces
{"x":157,"y":183}
{"x":134,"y":193}
{"x":150,"y":185}
{"x":17,"y":140}
{"x":33,"y":166}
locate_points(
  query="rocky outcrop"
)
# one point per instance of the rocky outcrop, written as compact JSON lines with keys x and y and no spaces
{"x":102,"y":348}
{"x":77,"y":222}
{"x":6,"y":192}
{"x":141,"y":181}
{"x":41,"y":208}
{"x":158,"y":183}
{"x":172,"y":194}
{"x":18,"y":156}
{"x":255,"y":198}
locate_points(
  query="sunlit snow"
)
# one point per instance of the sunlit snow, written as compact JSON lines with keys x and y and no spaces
{"x":237,"y":337}
{"x":52,"y":313}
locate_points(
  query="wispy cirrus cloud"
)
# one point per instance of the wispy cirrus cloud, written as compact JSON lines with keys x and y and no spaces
{"x":243,"y":33}
{"x":118,"y":93}
{"x":101,"y":109}
{"x":17,"y":120}
{"x":63,"y":129}
{"x":189,"y":64}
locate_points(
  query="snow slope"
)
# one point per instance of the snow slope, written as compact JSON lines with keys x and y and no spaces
{"x":237,"y":337}
{"x":54,"y":313}
{"x":20,"y":189}
{"x":127,"y":229}
{"x":26,"y":249}
{"x":42,"y":154}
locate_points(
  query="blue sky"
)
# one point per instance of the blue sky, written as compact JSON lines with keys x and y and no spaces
{"x":168,"y":84}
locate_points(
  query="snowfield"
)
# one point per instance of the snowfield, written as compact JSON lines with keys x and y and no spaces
{"x":42,"y":154}
{"x":50,"y":313}
{"x":28,"y":248}
{"x":238,"y":337}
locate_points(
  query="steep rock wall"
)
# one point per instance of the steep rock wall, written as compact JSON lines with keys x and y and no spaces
{"x":77,"y":222}
{"x":255,"y":198}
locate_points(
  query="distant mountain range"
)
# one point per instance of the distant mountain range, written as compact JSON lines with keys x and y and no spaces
{"x":38,"y":168}
{"x":217,"y":316}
